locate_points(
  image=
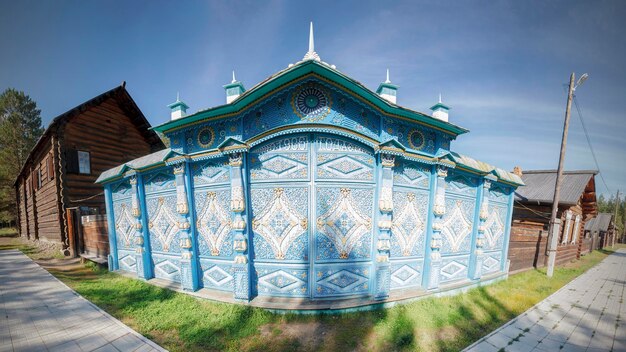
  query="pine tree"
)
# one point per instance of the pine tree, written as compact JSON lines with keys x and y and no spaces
{"x":20,"y":127}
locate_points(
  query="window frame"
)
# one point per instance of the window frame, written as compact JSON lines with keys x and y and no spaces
{"x":78,"y":154}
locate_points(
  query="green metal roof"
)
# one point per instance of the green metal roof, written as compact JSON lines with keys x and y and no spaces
{"x":323,"y":70}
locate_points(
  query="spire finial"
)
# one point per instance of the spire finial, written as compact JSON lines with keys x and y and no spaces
{"x":311,"y":39}
{"x":440,"y":98}
{"x":177,"y":96}
{"x":387,"y":80}
{"x":311,"y":54}
{"x":234,"y":79}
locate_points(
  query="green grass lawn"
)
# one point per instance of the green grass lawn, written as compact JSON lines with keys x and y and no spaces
{"x":180,"y":322}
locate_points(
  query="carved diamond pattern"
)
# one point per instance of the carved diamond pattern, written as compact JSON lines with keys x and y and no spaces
{"x":343,"y":280}
{"x":404,"y":275}
{"x":345,"y":166}
{"x":160,"y":180}
{"x":281,"y":281}
{"x":279,"y":164}
{"x":343,"y":224}
{"x":214,"y":223}
{"x":495,"y":228}
{"x":124,"y":225}
{"x":166,"y":268}
{"x":279,"y":224}
{"x":164,"y":225}
{"x":217,"y":276}
{"x":456,"y":228}
{"x":452,"y":269}
{"x":408,"y":226}
{"x":128,"y":261}
{"x":489,"y":263}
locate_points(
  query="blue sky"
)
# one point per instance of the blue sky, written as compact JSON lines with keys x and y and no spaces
{"x":500,"y":65}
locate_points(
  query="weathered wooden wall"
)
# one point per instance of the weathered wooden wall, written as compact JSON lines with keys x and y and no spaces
{"x":112,"y":130}
{"x":111,"y":138}
{"x":95,"y":235}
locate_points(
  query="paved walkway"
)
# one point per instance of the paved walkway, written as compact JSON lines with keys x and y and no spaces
{"x":585,"y":315}
{"x":39,"y":313}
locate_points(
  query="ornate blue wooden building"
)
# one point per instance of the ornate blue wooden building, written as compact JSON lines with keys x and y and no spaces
{"x":310,"y":188}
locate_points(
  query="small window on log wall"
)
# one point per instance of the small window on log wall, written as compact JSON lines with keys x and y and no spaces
{"x":39,"y":179}
{"x":50,"y":165}
{"x":78,"y":162}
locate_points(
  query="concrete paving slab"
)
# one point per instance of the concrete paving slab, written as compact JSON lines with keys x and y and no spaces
{"x":40,"y":313}
{"x":584,"y":315}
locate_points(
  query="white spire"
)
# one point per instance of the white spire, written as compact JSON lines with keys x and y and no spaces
{"x":311,"y":39}
{"x":440,"y":98}
{"x":387,"y":80}
{"x":177,"y":96}
{"x":234,"y":79}
{"x":311,"y":54}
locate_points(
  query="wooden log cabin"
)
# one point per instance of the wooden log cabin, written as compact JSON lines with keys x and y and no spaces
{"x":531,"y":217}
{"x":60,"y":170}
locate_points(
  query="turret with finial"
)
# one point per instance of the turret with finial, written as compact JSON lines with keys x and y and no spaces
{"x":388,"y":91}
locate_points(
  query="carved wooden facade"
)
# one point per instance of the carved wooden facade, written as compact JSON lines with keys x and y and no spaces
{"x":310,"y":187}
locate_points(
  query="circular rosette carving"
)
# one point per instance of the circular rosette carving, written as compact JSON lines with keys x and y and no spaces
{"x":311,"y":103}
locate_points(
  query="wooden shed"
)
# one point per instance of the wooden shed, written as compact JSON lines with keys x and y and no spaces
{"x":531,"y":216}
{"x":600,"y":230}
{"x":60,"y":170}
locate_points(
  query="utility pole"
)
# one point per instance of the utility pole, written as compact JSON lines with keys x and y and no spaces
{"x":615,"y":221}
{"x":554,"y":222}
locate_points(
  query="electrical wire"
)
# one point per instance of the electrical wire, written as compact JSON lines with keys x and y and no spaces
{"x":533,"y":211}
{"x":593,"y":153}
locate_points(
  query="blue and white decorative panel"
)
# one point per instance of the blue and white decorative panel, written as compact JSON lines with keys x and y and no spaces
{"x":285,"y":158}
{"x":213,"y":223}
{"x":121,"y":190}
{"x":495,"y":227}
{"x":163,"y":224}
{"x":282,"y":281}
{"x":166,"y":267}
{"x":408,"y":230}
{"x":454,"y":268}
{"x":160,"y":180}
{"x":344,"y":223}
{"x":342,"y":281}
{"x":311,"y":102}
{"x":406,"y":273}
{"x":460,"y":183}
{"x":457,"y":225}
{"x":410,"y":136}
{"x":210,"y":172}
{"x":216,"y":274}
{"x":280,"y":223}
{"x":411,"y":175}
{"x":499,"y":193}
{"x":210,"y":135}
{"x":127,"y":260}
{"x":341,"y":159}
{"x":491,"y":262}
{"x":124,"y":224}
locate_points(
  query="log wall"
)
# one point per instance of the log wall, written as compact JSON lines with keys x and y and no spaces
{"x":108,"y":131}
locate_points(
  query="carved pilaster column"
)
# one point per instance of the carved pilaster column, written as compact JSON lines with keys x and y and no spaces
{"x":483,"y":214}
{"x":240,"y":241}
{"x":184,"y":234}
{"x":385,"y":206}
{"x":439,"y":209}
{"x":138,"y":238}
{"x":568,"y":225}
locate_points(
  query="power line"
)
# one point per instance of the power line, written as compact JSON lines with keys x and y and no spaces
{"x":593,"y":153}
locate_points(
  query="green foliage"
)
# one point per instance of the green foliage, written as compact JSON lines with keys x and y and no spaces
{"x":180,"y":322}
{"x":20,"y":127}
{"x":608,"y":206}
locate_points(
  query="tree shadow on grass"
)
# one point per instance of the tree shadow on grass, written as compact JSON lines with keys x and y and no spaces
{"x":470,"y":327}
